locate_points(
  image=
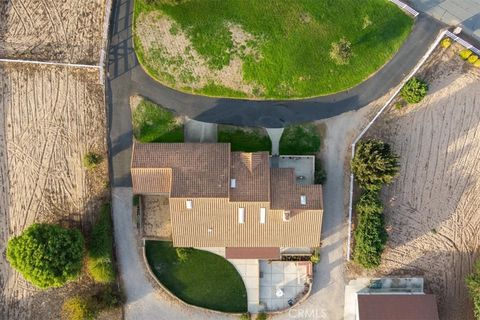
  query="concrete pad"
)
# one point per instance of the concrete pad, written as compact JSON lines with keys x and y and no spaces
{"x":304,"y":167}
{"x":275,"y":134}
{"x":197,"y":131}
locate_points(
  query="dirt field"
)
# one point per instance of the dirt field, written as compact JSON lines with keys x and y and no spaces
{"x":49,"y":118}
{"x":53,"y":30}
{"x":432,"y":207}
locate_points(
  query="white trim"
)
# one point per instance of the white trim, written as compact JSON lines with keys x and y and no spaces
{"x":406,"y":8}
{"x":62,"y":64}
{"x":395,"y":93}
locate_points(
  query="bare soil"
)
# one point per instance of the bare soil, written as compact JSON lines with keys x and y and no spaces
{"x":156,"y":217}
{"x":53,"y":30}
{"x":179,"y":61}
{"x":50,"y":117}
{"x":432,"y":207}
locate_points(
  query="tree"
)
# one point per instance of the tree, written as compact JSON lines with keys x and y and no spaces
{"x":370,"y":234}
{"x":47,"y":255}
{"x":473,"y":285}
{"x":91,"y":160}
{"x":414,"y":90}
{"x":341,"y":51}
{"x":374,"y":164}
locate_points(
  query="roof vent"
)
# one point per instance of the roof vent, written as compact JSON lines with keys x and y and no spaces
{"x":263,"y":215}
{"x":241,"y":215}
{"x":286,"y":216}
{"x":303,"y":200}
{"x":189,"y":204}
{"x":233,"y":183}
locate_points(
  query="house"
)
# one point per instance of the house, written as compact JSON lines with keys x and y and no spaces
{"x":236,"y":200}
{"x":389,"y":299}
{"x":263,"y":214}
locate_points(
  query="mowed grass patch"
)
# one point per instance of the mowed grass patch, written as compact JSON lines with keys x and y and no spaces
{"x":204,"y":279}
{"x":152,"y":123}
{"x":283,"y":46}
{"x":245,"y":139}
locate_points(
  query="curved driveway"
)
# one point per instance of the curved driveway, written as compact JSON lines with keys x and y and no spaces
{"x":126,"y":77}
{"x":125,"y":72}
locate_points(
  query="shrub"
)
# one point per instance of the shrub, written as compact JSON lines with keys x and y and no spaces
{"x":374,"y":164}
{"x":341,"y":51}
{"x":136,"y":200}
{"x":91,"y":160}
{"x":100,"y":249}
{"x":465,"y":54}
{"x":315,"y":257}
{"x":446,"y":43}
{"x":47,"y":255}
{"x":320,"y":173}
{"x":262,"y":316}
{"x":77,"y":308}
{"x":473,"y":284}
{"x":183,"y":253}
{"x":477,"y":64}
{"x":108,"y":298}
{"x":245,"y":316}
{"x":473,"y":58}
{"x":414,"y":90}
{"x":370,"y":234}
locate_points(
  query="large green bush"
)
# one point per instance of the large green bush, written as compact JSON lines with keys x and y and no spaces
{"x":374,"y":164}
{"x":370,"y":234}
{"x":47,"y":255}
{"x":414,"y":90}
{"x":91,"y":160}
{"x":100,"y":249}
{"x":473,"y":285}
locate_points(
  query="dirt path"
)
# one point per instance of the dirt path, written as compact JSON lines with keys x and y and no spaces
{"x":52,"y":30}
{"x":49,"y":118}
{"x":432,"y":208}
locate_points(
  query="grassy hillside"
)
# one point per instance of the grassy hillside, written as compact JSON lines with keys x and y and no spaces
{"x":265,"y":49}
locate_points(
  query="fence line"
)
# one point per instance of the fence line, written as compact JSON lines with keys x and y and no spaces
{"x":464,"y":43}
{"x":395,"y":93}
{"x":439,"y":38}
{"x":104,"y":49}
{"x":62,"y":64}
{"x":406,"y":8}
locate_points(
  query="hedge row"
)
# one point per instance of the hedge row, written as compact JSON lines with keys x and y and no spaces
{"x":373,"y":166}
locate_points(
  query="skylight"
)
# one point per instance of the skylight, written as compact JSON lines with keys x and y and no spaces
{"x":233,"y":183}
{"x":303,"y":200}
{"x":189,"y":204}
{"x":263,"y":215}
{"x":241,"y":215}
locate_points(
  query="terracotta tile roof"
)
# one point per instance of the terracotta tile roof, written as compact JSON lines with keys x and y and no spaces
{"x":214,"y":223}
{"x":198,"y":169}
{"x":201,"y":172}
{"x":252,"y":177}
{"x":286,"y":193}
{"x":397,"y":307}
{"x":268,"y":253}
{"x":151,"y":180}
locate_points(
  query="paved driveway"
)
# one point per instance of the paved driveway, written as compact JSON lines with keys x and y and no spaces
{"x":453,"y":12}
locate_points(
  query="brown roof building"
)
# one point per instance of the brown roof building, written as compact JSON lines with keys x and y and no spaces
{"x":397,"y":307}
{"x":219,"y":198}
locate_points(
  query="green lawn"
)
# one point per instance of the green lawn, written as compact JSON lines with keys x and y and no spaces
{"x":245,"y":139}
{"x":300,"y":140}
{"x":152,"y":123}
{"x":204,"y":279}
{"x":286,"y":50}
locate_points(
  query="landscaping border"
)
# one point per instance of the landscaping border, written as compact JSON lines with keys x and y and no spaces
{"x":433,"y":46}
{"x":173,"y":296}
